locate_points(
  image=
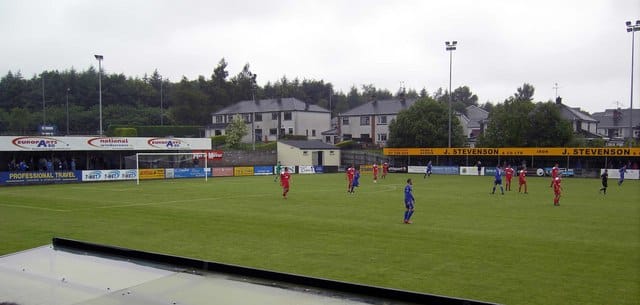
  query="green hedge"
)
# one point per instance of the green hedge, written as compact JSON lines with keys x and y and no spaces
{"x":125,"y":132}
{"x":160,"y":131}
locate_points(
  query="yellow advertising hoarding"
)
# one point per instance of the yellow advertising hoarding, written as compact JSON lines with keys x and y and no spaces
{"x":243,"y":171}
{"x":152,"y":173}
{"x":517,"y":151}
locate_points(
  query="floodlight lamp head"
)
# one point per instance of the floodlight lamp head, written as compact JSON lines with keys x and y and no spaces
{"x":628,"y":23}
{"x":98,"y":57}
{"x":629,"y":29}
{"x":454,"y":43}
{"x":446,"y":43}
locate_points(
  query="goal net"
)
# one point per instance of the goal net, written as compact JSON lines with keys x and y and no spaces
{"x":169,"y":165}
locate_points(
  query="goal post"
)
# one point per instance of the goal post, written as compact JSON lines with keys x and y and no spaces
{"x":168,"y":161}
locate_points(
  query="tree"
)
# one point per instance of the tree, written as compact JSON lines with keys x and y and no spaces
{"x":508,"y":125}
{"x":521,"y":123}
{"x":425,"y":124}
{"x":236,"y":130}
{"x":548,"y":128}
{"x":524,"y":93}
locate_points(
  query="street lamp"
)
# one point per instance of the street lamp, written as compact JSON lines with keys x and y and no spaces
{"x":632,"y":28}
{"x":100,"y":58}
{"x":161,"y":106}
{"x":451,"y":46}
{"x":68,"y":89}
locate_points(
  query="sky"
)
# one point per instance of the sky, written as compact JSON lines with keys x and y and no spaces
{"x":578,"y":48}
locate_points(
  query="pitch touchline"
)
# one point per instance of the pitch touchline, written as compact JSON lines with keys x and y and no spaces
{"x":32,"y":207}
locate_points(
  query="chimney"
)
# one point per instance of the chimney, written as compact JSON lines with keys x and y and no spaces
{"x":558,"y":100}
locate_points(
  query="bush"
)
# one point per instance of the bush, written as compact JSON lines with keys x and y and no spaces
{"x":348,"y":144}
{"x":125,"y":132}
{"x":218,"y":140}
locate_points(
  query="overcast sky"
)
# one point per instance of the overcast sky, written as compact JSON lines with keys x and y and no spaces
{"x":581,"y":45}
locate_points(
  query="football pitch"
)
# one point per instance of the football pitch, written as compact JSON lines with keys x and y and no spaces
{"x":510,"y":249}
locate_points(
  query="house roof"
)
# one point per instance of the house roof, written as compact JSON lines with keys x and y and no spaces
{"x":392,"y":106}
{"x":607,"y":120}
{"x":476,"y":115}
{"x":313,"y":144}
{"x":270,"y":105}
{"x":574,"y":113}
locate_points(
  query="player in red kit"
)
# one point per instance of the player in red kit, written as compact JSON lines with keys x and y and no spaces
{"x":284,"y":181}
{"x":554,"y":173}
{"x":522,"y":180}
{"x":508,"y":173}
{"x":385,"y":169}
{"x":351,"y":171}
{"x":375,"y":172}
{"x":557,"y":190}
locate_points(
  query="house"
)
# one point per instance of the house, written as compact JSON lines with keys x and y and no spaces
{"x":473,"y":122}
{"x":308,"y":153}
{"x":370,"y":122}
{"x":581,"y":122}
{"x":271,"y":119}
{"x":615,"y":123}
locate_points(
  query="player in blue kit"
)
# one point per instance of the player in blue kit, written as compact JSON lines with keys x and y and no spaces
{"x":427,"y":172}
{"x":497,"y":180}
{"x":356,"y":181}
{"x":408,"y":201}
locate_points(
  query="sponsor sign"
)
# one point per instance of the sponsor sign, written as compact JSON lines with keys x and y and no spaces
{"x":151,"y":173}
{"x":306,"y":169}
{"x":243,"y":171}
{"x":195,"y":172}
{"x":416,"y":169}
{"x":517,"y":151}
{"x":111,"y":143}
{"x":109,"y":175}
{"x":209,"y":154}
{"x":17,"y":178}
{"x":565,"y":172}
{"x":614,"y":173}
{"x":262,"y":170}
{"x":397,"y":169}
{"x":53,"y":143}
{"x":471,"y":171}
{"x":222,"y":171}
{"x":445,"y":170}
{"x":318,"y":168}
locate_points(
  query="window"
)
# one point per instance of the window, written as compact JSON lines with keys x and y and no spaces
{"x":327,"y":139}
{"x":382,"y":137}
{"x":229,"y":118}
{"x":258,"y":117}
{"x":364,"y":120}
{"x":347,"y":136}
{"x":246,"y":117}
{"x":290,"y":130}
{"x":218,"y":132}
{"x":307,"y":132}
{"x":273,"y":131}
{"x":313,"y":132}
{"x":274,"y":116}
{"x":219,"y":118}
{"x":382,"y":120}
{"x":345,"y":120}
{"x":287,"y":116}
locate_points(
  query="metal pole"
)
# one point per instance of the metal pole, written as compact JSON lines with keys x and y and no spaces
{"x":161,"y":106}
{"x":100,"y":90}
{"x":68,"y":110}
{"x":450,"y":68}
{"x":44,"y":110}
{"x":633,"y":31}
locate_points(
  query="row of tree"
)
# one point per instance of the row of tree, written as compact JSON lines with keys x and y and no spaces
{"x":518,"y":122}
{"x":69,"y":99}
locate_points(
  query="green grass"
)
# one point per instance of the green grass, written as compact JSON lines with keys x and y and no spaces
{"x":511,"y":249}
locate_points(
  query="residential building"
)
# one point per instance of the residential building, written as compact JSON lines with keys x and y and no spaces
{"x":581,"y":122}
{"x":474,"y":122}
{"x":614,"y":123}
{"x":270,"y":119}
{"x":369,"y":122}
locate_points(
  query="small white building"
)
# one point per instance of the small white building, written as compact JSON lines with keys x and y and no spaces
{"x":270,"y":119}
{"x":308,"y":153}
